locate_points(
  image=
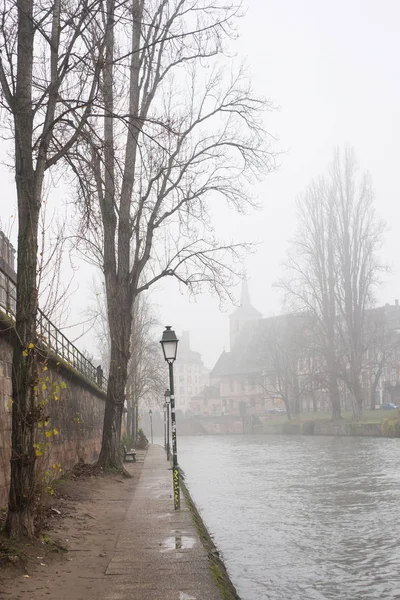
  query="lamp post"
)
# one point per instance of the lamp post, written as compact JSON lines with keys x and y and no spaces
{"x":169,"y":344}
{"x":167,"y":396}
{"x":151,"y":424}
{"x":165,"y":425}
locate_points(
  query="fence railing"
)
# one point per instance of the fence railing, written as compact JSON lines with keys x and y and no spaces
{"x":51,"y":337}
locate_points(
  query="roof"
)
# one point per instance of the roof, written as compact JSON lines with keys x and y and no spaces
{"x":246,"y":309}
{"x":251,"y":351}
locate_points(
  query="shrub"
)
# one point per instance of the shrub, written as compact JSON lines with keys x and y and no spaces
{"x":391,"y":427}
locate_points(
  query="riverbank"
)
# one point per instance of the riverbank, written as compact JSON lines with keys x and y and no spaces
{"x":374,"y":423}
{"x":381,"y":426}
{"x":117,"y":539}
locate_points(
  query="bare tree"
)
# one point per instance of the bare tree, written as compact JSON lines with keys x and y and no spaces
{"x":282,"y":352}
{"x":333,"y":269}
{"x":357,"y":236}
{"x":146,"y":371}
{"x":46,"y":96}
{"x":310,"y":284}
{"x":177,"y":132}
{"x":54,"y":287}
{"x":97,"y":314}
{"x":382,"y":344}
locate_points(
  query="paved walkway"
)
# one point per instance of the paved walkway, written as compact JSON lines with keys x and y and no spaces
{"x":159,"y":555}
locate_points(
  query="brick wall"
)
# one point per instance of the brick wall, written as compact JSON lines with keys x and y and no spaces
{"x":74,"y":407}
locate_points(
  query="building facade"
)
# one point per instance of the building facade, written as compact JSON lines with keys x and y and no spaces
{"x":276,"y":364}
{"x":191,"y":376}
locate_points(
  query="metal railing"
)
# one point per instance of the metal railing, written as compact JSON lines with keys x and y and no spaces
{"x":51,"y":337}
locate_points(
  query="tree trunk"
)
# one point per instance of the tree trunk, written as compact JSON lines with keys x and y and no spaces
{"x":136,"y":421}
{"x":357,"y":408}
{"x":133,"y":421}
{"x":314,"y":401}
{"x":120,"y":327}
{"x":359,"y":400}
{"x":110,"y":457}
{"x":374,"y":387}
{"x":288,"y":411}
{"x":20,"y":519}
{"x":335,"y":398}
{"x":129,"y":419}
{"x":373,"y":394}
{"x":24,"y":378}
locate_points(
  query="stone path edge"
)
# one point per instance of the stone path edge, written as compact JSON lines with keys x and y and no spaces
{"x":217,"y":566}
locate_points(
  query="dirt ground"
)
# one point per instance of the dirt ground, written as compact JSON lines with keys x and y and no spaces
{"x":82,"y":524}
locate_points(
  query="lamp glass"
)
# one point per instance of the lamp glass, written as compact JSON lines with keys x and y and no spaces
{"x":169,"y":349}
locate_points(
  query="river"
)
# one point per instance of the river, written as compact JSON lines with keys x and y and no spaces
{"x":300,"y":518}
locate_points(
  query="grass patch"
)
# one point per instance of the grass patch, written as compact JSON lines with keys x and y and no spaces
{"x":368,"y":416}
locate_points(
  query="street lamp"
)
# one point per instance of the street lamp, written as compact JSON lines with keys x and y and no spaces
{"x":165,"y":425}
{"x":169,"y":344}
{"x":151,"y":424}
{"x":167,"y":396}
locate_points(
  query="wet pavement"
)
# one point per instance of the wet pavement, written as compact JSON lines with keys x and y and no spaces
{"x":158,"y":555}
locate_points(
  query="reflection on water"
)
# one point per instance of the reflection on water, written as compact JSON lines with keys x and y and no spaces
{"x":301,"y":518}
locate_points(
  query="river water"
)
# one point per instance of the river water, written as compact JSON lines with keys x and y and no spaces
{"x":300,"y":518}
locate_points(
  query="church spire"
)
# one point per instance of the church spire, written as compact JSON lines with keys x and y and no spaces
{"x":245,"y":296}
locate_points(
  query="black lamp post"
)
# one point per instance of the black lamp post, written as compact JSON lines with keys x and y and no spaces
{"x":165,"y":425}
{"x":151,"y":424}
{"x":167,"y":396}
{"x":169,"y":343}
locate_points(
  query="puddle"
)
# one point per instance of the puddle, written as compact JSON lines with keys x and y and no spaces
{"x":178,"y":542}
{"x":183,"y":596}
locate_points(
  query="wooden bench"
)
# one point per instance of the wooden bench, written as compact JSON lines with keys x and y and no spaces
{"x":131,"y":453}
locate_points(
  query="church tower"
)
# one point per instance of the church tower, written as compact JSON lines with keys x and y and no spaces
{"x":242,"y":315}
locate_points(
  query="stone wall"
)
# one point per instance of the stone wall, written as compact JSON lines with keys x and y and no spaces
{"x":72,"y":417}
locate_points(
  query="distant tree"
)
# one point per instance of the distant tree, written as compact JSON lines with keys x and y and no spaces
{"x":282,"y":351}
{"x":333,"y":269}
{"x":97,"y":313}
{"x":178,"y":132}
{"x":357,"y":236}
{"x":147,"y":378}
{"x":310,"y":283}
{"x":382,"y":345}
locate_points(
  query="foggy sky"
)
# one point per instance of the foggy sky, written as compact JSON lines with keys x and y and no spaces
{"x":332,"y":69}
